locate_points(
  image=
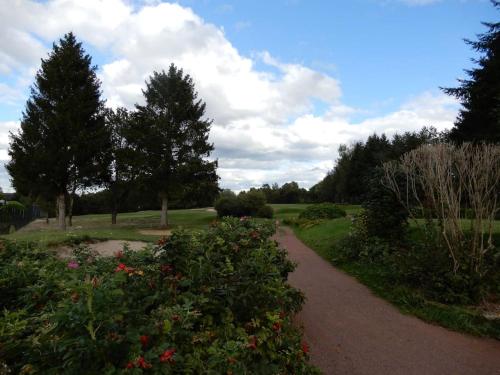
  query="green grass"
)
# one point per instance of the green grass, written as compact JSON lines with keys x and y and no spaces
{"x":322,"y":238}
{"x":99,"y":227}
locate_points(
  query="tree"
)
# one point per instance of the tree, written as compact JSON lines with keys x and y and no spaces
{"x":479,"y":118}
{"x":172,"y":136}
{"x":121,"y":165}
{"x":62,"y":133}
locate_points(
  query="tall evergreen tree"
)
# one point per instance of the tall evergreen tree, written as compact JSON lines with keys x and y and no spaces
{"x":172,"y":136}
{"x":479,"y":119}
{"x":62,"y":136}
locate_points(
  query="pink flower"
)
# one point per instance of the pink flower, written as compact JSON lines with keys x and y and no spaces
{"x":73,"y":265}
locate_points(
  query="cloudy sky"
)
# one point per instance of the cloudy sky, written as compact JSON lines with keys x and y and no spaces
{"x":285,"y":81}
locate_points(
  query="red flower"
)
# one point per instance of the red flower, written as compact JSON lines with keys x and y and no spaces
{"x":252,"y":343}
{"x":144,"y":340}
{"x":277,"y":327}
{"x":176,"y":318}
{"x":121,"y":267}
{"x":305,"y":347}
{"x":130,"y":365}
{"x":167,"y":356}
{"x":141,"y":363}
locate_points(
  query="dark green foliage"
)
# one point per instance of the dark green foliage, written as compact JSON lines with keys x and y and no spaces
{"x":228,"y":205}
{"x":62,"y":134}
{"x":289,"y":192}
{"x":349,"y":181}
{"x":213,"y":302}
{"x":479,"y":118}
{"x":384,"y":215}
{"x":265,"y":212}
{"x":416,"y":262}
{"x":322,"y":211}
{"x":251,"y":203}
{"x":171,"y":137}
{"x":120,"y":162}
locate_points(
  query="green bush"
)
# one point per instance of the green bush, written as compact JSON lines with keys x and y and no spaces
{"x":385,"y":217}
{"x":213,"y":302}
{"x":265,"y":212}
{"x":322,"y":211}
{"x":251,"y":203}
{"x":228,"y":206}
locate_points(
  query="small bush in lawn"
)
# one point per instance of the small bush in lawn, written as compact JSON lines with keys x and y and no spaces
{"x":385,"y":217}
{"x":228,"y":206}
{"x":251,"y":203}
{"x":266,"y":212}
{"x":213,"y":302}
{"x":322,"y":211}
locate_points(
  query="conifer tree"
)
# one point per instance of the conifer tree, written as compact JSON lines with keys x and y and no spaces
{"x":59,"y":146}
{"x":172,"y":137}
{"x":479,"y":118}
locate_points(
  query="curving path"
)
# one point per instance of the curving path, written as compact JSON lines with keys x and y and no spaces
{"x":351,"y":331}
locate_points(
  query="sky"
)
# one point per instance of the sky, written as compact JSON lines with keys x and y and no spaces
{"x":285,"y":81}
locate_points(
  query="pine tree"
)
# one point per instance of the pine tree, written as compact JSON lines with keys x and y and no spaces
{"x":172,"y":137}
{"x":479,"y":118}
{"x":62,"y":136}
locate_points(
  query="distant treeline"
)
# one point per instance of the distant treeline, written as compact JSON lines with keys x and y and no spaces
{"x":140,"y":199}
{"x":349,"y":180}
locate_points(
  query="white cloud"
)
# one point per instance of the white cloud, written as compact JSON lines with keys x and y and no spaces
{"x":265,"y":127}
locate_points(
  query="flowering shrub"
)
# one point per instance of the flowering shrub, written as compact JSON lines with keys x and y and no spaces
{"x":215,"y":302}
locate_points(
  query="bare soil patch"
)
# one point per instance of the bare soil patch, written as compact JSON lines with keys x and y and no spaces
{"x":104,"y":248}
{"x":156,"y":232}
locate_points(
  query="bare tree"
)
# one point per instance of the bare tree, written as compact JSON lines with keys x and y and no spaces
{"x":449,"y":184}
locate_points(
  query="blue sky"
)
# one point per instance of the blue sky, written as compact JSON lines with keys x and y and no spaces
{"x":285,"y":81}
{"x":384,"y":52}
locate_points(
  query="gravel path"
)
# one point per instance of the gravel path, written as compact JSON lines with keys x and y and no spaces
{"x":351,"y":331}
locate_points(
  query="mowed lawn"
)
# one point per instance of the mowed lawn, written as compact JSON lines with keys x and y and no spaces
{"x":130,"y":226}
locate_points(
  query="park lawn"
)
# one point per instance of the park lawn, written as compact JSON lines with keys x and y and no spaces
{"x":322,"y":238}
{"x":99,"y":227}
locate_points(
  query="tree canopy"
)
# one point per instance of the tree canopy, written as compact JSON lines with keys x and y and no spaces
{"x":479,"y":118}
{"x":172,"y":137}
{"x":62,"y":131}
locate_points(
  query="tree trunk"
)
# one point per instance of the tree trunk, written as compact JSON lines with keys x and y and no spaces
{"x":47,"y":217}
{"x":70,"y":211}
{"x":61,"y":208}
{"x":164,"y":209}
{"x":114,"y":214}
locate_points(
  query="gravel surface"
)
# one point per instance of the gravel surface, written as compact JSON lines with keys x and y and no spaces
{"x":351,"y":331}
